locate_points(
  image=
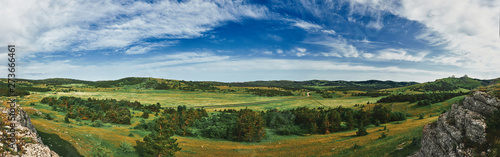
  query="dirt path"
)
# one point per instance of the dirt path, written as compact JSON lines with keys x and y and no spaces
{"x":250,"y":103}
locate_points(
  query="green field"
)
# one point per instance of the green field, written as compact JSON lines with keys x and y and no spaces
{"x":82,"y":137}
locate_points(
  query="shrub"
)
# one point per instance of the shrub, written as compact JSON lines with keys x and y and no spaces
{"x":383,"y":135}
{"x":130,"y":135}
{"x":97,"y":123}
{"x":361,"y":131}
{"x":377,"y":122}
{"x":126,"y":147}
{"x":48,"y":117}
{"x":288,"y":130}
{"x":421,"y":116}
{"x":100,"y":151}
{"x":397,"y":116}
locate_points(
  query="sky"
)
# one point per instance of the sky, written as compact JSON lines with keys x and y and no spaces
{"x":234,"y":41}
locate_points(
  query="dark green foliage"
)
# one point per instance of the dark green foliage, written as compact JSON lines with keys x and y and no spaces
{"x":130,"y":135}
{"x":493,"y":132}
{"x":350,"y":122}
{"x":371,"y":94}
{"x":421,"y":116}
{"x":449,"y":84}
{"x":361,"y":131}
{"x":381,"y":113}
{"x":100,"y":151}
{"x":288,"y":130}
{"x":108,"y":110}
{"x":160,"y":141}
{"x":48,"y":117}
{"x":431,"y":97}
{"x":397,"y":116}
{"x":126,"y":147}
{"x":327,"y":95}
{"x":145,"y":115}
{"x":97,"y":123}
{"x":249,"y":126}
{"x":269,"y":92}
{"x":377,"y":122}
{"x":66,"y":119}
{"x":383,"y":135}
{"x":145,"y":126}
{"x":424,"y":103}
{"x":336,"y":85}
{"x":221,"y":126}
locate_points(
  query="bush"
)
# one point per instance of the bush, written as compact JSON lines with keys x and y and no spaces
{"x":383,"y":135}
{"x":130,"y":135}
{"x":126,"y":147}
{"x":288,"y":130}
{"x":100,"y":151}
{"x":48,"y":117}
{"x":361,"y":131}
{"x":377,"y":122}
{"x":421,"y":116}
{"x":97,"y":123}
{"x":397,"y":116}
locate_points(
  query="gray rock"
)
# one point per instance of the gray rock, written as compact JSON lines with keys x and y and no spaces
{"x":455,"y":130}
{"x":25,"y":129}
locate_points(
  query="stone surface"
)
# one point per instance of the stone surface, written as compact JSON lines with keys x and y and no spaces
{"x":455,"y":130}
{"x":25,"y":129}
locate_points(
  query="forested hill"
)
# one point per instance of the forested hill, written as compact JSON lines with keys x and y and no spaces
{"x":450,"y":84}
{"x":323,"y":84}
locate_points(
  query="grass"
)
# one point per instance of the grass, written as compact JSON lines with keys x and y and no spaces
{"x":83,"y":137}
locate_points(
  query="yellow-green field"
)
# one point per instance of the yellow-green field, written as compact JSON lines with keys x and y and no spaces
{"x":83,"y":136}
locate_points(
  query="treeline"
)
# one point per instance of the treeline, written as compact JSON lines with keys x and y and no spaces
{"x":108,"y":110}
{"x":269,"y":92}
{"x":424,"y":99}
{"x":303,"y":120}
{"x":371,"y":94}
{"x":21,"y":89}
{"x":309,"y":85}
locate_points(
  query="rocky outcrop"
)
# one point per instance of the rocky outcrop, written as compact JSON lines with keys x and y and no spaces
{"x":458,"y":130}
{"x":30,"y":144}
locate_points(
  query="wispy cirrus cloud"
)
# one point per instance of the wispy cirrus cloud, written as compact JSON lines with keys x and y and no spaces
{"x":53,"y":25}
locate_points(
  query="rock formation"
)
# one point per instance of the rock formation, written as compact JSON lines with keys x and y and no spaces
{"x":455,"y":131}
{"x":29,"y":143}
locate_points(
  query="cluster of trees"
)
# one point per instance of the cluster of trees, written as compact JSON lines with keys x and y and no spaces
{"x":371,"y":93}
{"x":426,"y":98}
{"x":181,"y":117}
{"x":303,"y":120}
{"x":269,"y":92}
{"x":243,"y":125}
{"x":108,"y":110}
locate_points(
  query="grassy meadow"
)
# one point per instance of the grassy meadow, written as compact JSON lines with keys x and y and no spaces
{"x":82,"y":137}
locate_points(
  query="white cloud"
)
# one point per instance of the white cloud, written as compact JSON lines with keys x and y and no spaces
{"x":398,"y":54}
{"x":306,"y":25}
{"x":467,"y":29}
{"x":299,"y":52}
{"x":329,"y":31}
{"x":267,"y":52}
{"x":279,"y":51}
{"x":52,"y":25}
{"x":340,"y":47}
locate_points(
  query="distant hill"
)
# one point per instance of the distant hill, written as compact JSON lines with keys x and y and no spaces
{"x":445,"y":84}
{"x":323,"y":84}
{"x":450,"y":84}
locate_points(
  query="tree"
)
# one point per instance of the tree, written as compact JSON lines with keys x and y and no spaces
{"x":145,"y":115}
{"x":381,"y":113}
{"x":361,"y":130}
{"x":160,"y":142}
{"x":250,"y":126}
{"x":350,"y":120}
{"x":97,"y":123}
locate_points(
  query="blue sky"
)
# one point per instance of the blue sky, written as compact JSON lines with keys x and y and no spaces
{"x":221,"y":40}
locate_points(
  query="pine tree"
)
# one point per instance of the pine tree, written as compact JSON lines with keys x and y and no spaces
{"x":350,"y":120}
{"x":160,"y":142}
